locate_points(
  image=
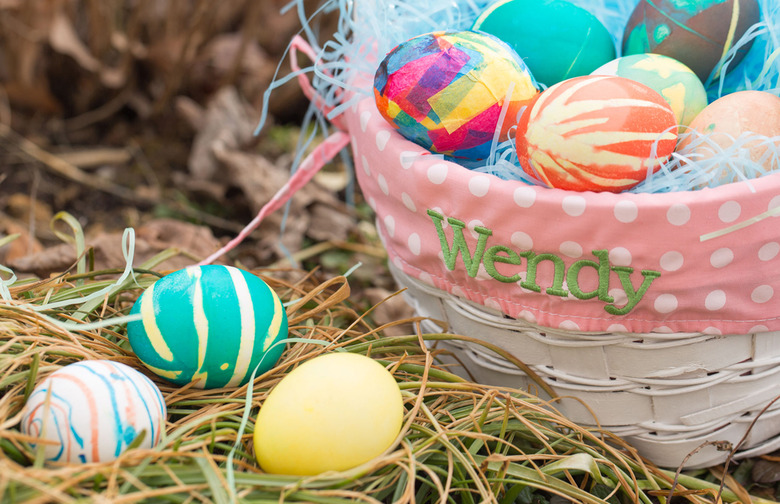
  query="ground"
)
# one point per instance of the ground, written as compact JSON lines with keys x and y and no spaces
{"x":142,"y":115}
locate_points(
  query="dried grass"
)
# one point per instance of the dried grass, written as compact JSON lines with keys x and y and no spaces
{"x":461,"y":442}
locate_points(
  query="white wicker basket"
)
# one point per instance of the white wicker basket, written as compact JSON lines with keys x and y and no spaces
{"x":666,"y":394}
{"x":657,"y":314}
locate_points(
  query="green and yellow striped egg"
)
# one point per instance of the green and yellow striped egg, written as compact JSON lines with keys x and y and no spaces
{"x":208,"y":325}
{"x":673,"y":80}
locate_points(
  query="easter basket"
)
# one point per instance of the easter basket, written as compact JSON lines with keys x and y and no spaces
{"x":655,"y":315}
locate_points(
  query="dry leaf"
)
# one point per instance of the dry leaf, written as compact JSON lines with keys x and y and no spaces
{"x":64,"y":39}
{"x":228,"y":123}
{"x":766,"y":471}
{"x":329,"y":223}
{"x":45,"y":262}
{"x":389,"y":309}
{"x":24,"y":245}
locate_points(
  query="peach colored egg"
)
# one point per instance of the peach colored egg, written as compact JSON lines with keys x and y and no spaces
{"x":734,"y":127}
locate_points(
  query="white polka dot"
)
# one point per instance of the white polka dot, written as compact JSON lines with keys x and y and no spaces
{"x":758,"y":329}
{"x":526,"y":315}
{"x":672,"y":261}
{"x":398,"y":263}
{"x":426,"y":278}
{"x":678,"y":215}
{"x":620,"y":256}
{"x":364,"y":117}
{"x":522,"y":240}
{"x":382,"y":181}
{"x":382,"y":137}
{"x":408,"y":202}
{"x":524,"y":197}
{"x":407,"y":159}
{"x":722,"y":257}
{"x":492,"y":303}
{"x":414,"y":243}
{"x":482,"y":273}
{"x":569,"y":325}
{"x":729,"y":211}
{"x":574,"y":205}
{"x":713,"y":331}
{"x":665,"y":303}
{"x":457,"y":291}
{"x":437,"y":173}
{"x":626,"y":211}
{"x":663,"y":330}
{"x":479,"y":185}
{"x":774,"y":204}
{"x":472,"y":224}
{"x":762,"y":294}
{"x":769,"y":251}
{"x":372,"y":203}
{"x":617,"y":328}
{"x":390,"y":224}
{"x":571,"y":249}
{"x":444,"y":223}
{"x":715,"y":300}
{"x":619,"y":296}
{"x":366,"y":167}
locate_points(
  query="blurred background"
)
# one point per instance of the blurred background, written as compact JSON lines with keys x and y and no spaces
{"x":141,"y":113}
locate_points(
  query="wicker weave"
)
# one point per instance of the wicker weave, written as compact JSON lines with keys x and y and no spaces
{"x":666,"y":394}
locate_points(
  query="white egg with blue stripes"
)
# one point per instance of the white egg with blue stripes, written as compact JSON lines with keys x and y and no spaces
{"x":211,"y":325}
{"x":91,"y":411}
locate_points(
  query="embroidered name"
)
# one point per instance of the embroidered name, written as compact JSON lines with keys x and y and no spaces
{"x":501,"y":254}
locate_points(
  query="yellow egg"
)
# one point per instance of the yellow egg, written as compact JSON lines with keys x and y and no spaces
{"x":331,"y":413}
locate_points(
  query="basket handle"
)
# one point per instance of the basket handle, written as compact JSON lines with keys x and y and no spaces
{"x":321,"y":155}
{"x":298,"y":43}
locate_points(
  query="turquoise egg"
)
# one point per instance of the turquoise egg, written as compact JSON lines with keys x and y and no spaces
{"x":555,"y":38}
{"x":673,"y":80}
{"x":208,"y":325}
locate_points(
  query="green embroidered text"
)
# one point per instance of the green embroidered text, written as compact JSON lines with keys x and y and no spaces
{"x":490,"y":256}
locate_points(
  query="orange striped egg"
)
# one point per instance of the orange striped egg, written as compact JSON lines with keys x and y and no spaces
{"x":595,"y":133}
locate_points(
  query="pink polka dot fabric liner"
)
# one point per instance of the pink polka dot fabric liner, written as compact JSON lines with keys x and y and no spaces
{"x":701,"y":261}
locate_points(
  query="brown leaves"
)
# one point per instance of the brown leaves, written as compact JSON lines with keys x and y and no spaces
{"x":194,"y":242}
{"x":129,"y":111}
{"x":72,"y":56}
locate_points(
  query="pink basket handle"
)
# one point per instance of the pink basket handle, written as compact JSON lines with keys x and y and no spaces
{"x":298,"y":43}
{"x":324,"y":153}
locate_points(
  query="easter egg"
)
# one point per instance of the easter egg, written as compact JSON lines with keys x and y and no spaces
{"x":556,"y":39}
{"x":595,"y":133}
{"x":677,"y":83}
{"x":91,"y":411}
{"x":210,"y":325}
{"x":331,"y":413}
{"x":735,"y":137}
{"x":696,"y":32}
{"x":451,"y":92}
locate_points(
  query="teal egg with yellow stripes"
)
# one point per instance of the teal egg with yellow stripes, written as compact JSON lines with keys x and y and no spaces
{"x":208,"y":325}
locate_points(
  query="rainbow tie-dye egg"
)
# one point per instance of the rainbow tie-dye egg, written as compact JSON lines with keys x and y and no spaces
{"x":208,"y":325}
{"x":91,"y":411}
{"x":450,"y":91}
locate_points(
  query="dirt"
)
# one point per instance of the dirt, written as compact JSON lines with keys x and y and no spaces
{"x":141,"y":115}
